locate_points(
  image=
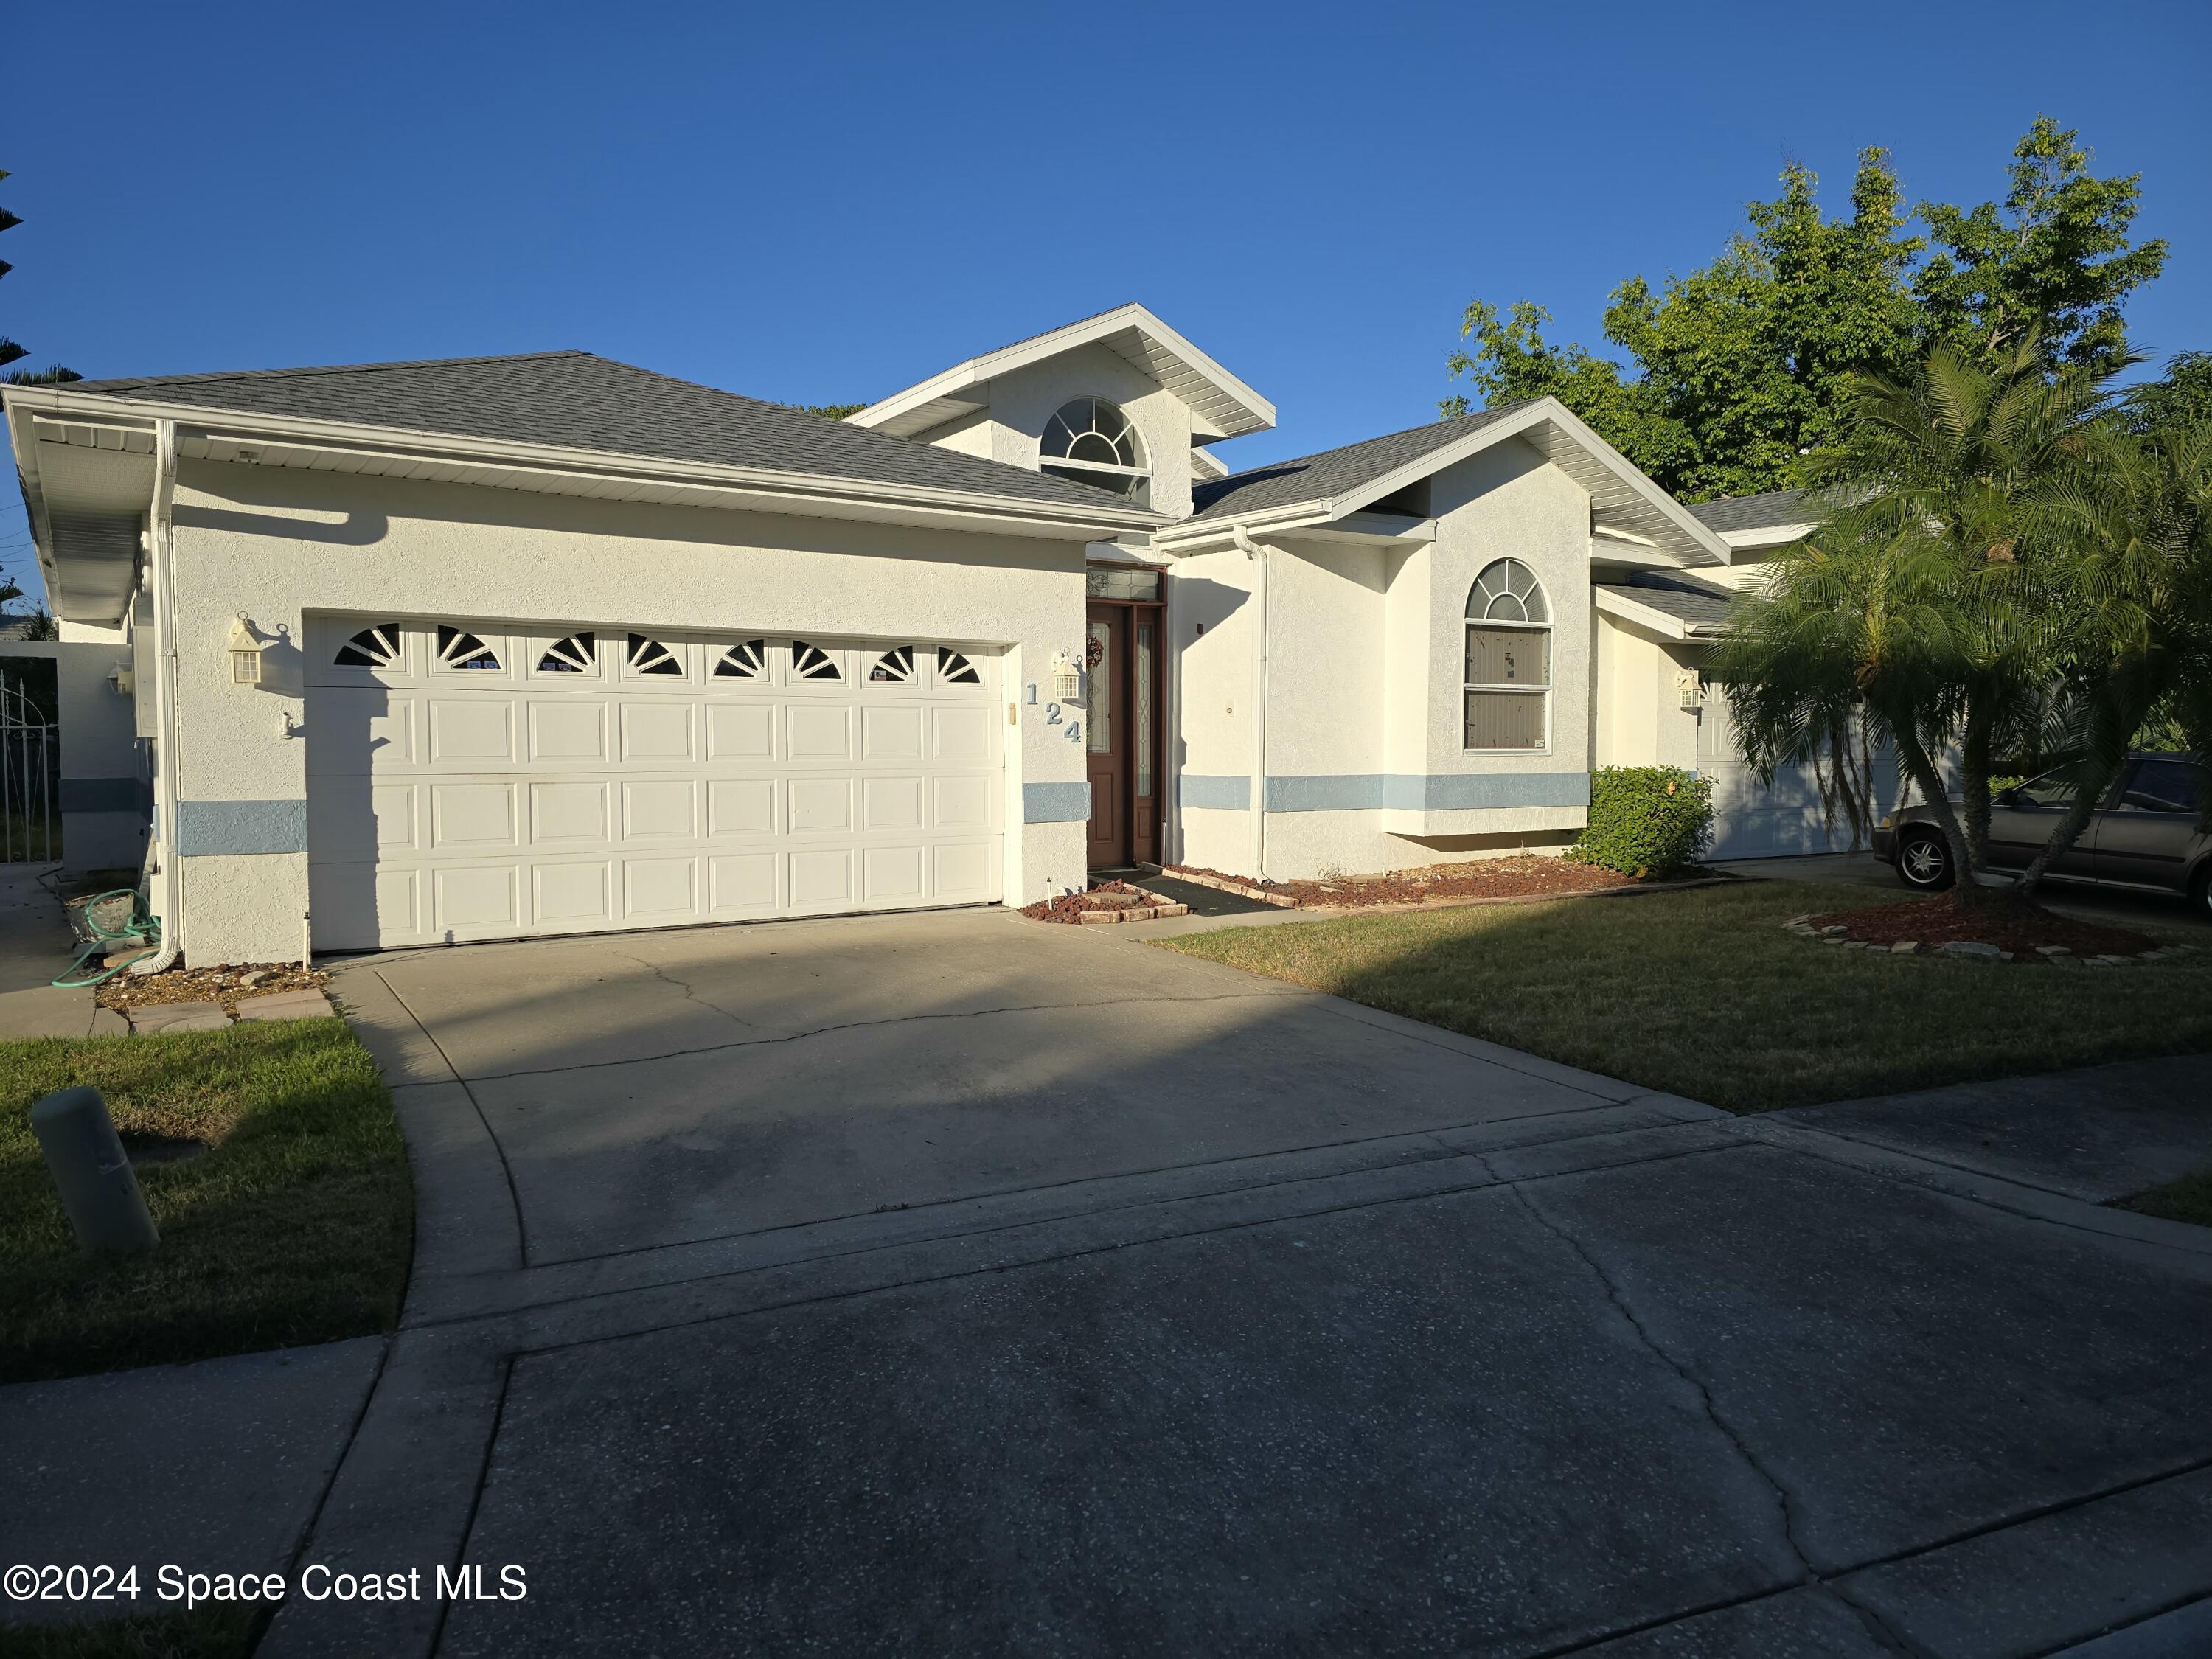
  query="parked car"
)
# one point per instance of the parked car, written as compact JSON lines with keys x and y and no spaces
{"x":2149,"y":834}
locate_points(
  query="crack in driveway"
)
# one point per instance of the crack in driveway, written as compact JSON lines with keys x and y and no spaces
{"x":689,"y":994}
{"x":860,"y":1025}
{"x":1788,"y":1504}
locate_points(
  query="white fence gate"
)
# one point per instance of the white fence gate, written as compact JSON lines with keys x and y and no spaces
{"x":30,"y":774}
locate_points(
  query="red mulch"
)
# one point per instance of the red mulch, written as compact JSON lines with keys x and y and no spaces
{"x":1106,"y":895}
{"x":1525,"y":877}
{"x":2008,"y":923}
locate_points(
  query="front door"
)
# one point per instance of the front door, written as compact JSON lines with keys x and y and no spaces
{"x":1120,"y":713}
{"x":1107,"y":736}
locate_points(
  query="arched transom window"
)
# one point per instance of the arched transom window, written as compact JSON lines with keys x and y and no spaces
{"x":1509,"y":659}
{"x":1092,"y":442}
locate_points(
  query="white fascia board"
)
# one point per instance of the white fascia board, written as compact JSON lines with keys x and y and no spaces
{"x":1614,"y":604}
{"x":1385,"y":528}
{"x":759,"y":487}
{"x":963,"y":376}
{"x":1655,"y":621}
{"x":1544,"y":411}
{"x":1199,"y":537}
{"x":1766,"y":538}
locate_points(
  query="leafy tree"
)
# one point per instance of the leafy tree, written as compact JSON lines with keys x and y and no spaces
{"x":1736,"y":371}
{"x":2133,"y":618}
{"x":2051,"y":264}
{"x":829,"y":411}
{"x":38,"y":625}
{"x":1738,"y":367}
{"x":9,"y":351}
{"x":1937,"y":603}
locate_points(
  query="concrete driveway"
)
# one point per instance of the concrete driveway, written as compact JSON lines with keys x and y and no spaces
{"x":949,"y":1284}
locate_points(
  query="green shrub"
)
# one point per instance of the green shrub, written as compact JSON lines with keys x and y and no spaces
{"x":1645,"y":820}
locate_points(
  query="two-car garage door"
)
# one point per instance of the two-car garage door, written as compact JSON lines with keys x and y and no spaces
{"x":471,"y":780}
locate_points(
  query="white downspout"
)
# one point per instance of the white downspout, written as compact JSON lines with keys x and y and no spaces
{"x":1257,"y":552}
{"x":161,"y":584}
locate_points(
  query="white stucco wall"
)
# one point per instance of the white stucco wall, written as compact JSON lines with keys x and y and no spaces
{"x":1021,"y":402}
{"x":1366,"y":764}
{"x":275,"y":544}
{"x":1640,"y":718}
{"x":102,"y":799}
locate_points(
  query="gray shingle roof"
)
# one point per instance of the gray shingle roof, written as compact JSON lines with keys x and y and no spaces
{"x":1696,"y":603}
{"x":1323,"y":476}
{"x":1776,"y":506}
{"x":577,"y":400}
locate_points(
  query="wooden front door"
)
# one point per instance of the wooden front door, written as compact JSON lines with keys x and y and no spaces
{"x":1121,"y":733}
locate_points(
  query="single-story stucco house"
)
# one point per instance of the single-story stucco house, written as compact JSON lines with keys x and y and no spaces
{"x":442,"y":651}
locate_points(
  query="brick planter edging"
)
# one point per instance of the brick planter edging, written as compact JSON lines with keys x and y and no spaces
{"x":1134,"y":913}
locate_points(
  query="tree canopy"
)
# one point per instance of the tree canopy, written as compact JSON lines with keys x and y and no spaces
{"x":1737,"y":370}
{"x":9,"y":351}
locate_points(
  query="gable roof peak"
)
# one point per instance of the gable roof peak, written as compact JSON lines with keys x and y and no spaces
{"x":1221,"y":405}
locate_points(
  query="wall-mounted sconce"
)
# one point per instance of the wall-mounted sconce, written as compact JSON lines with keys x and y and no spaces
{"x":1067,"y":677}
{"x":245,"y":653}
{"x":121,"y":681}
{"x":1689,"y":690}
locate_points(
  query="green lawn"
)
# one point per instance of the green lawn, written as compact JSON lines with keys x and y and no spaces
{"x":2189,"y":1199}
{"x":1702,"y":993}
{"x":293,"y":1227}
{"x":218,"y":1632}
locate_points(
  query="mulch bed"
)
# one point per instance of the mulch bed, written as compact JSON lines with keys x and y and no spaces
{"x":1105,"y":898}
{"x":1524,"y":877}
{"x":224,"y":983}
{"x":2007,"y":923}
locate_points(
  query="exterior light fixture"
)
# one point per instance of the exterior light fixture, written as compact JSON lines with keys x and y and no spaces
{"x":245,"y":654}
{"x":121,"y":680}
{"x":1691,"y":689}
{"x":1067,"y":677}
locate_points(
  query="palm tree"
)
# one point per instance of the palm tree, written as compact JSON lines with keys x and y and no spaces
{"x":1922,"y":610}
{"x":2132,"y":561}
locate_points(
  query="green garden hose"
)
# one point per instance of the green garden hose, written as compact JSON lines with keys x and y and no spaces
{"x":109,"y":919}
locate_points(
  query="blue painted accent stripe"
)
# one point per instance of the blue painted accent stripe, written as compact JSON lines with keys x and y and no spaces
{"x":205,"y":827}
{"x":1216,"y":792}
{"x":1368,"y":791}
{"x":1056,"y":803}
{"x":105,"y":795}
{"x":1461,"y":792}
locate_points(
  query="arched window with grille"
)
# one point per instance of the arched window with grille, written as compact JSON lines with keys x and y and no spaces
{"x":1507,"y":684}
{"x":1091,"y":442}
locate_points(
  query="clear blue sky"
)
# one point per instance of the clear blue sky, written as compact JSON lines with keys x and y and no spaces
{"x":826,"y":203}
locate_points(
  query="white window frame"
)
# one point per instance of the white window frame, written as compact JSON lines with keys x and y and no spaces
{"x":1521,"y":623}
{"x":1101,"y":475}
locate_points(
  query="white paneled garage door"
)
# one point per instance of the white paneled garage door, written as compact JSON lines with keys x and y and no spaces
{"x":468,"y":780}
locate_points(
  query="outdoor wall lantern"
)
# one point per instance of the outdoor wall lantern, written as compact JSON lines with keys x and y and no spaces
{"x":121,"y":681}
{"x":245,"y":653}
{"x":1067,"y":677}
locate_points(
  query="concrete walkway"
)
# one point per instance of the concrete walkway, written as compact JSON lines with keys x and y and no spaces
{"x":951,"y":1285}
{"x":35,"y":948}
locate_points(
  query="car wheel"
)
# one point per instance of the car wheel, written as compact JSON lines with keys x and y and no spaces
{"x":2200,"y":893}
{"x":1924,"y":861}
